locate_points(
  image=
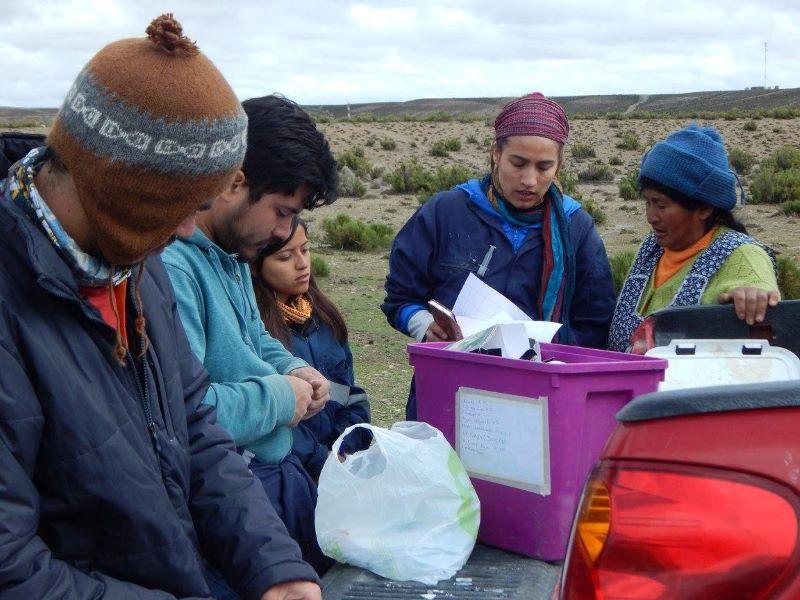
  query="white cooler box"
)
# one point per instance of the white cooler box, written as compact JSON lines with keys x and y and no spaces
{"x":703,"y":363}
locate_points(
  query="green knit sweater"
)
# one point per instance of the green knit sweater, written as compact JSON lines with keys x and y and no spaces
{"x":748,"y":266}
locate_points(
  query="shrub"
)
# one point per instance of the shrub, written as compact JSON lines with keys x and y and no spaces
{"x":388,"y":144}
{"x":583,"y":151}
{"x":445,"y":146}
{"x":569,"y":183}
{"x":595,"y":210}
{"x":596,"y":172}
{"x":620,"y":265}
{"x":319,"y":266}
{"x":23,"y":123}
{"x":356,"y":161}
{"x":628,"y":141}
{"x":775,"y":187}
{"x":346,"y":233}
{"x":628,"y":188}
{"x":741,"y":161}
{"x":438,"y":149}
{"x":439,"y":117}
{"x":349,"y":184}
{"x":778,"y":179}
{"x":615,"y":161}
{"x":788,"y":279}
{"x":733,"y":114}
{"x":785,"y":113}
{"x":445,"y":178}
{"x":750,"y":126}
{"x":371,"y":141}
{"x":791,"y":207}
{"x":471,"y":139}
{"x":409,"y":177}
{"x":783,"y":159}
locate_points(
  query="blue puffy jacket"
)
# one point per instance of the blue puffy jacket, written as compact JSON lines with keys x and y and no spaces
{"x":449,"y":237}
{"x":315,"y":343}
{"x":115,"y":482}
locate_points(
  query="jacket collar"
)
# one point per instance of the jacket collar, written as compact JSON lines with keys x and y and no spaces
{"x":476,"y":195}
{"x":202,"y":241}
{"x":34,"y":248}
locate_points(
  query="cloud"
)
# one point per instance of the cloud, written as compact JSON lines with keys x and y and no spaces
{"x":316,"y":51}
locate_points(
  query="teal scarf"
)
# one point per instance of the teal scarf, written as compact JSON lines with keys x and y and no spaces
{"x":557,"y":286}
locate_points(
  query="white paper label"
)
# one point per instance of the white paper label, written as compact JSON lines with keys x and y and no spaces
{"x":504,"y":438}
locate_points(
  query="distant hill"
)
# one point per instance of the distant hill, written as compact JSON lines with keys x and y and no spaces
{"x":658,"y":103}
{"x":751,"y":99}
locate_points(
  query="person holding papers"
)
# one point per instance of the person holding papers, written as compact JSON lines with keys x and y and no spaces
{"x":515,"y":230}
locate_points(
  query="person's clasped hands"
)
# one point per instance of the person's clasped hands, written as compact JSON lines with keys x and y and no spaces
{"x":311,"y":391}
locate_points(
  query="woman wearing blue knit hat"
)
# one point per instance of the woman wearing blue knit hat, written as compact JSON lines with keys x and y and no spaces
{"x":697,"y":252}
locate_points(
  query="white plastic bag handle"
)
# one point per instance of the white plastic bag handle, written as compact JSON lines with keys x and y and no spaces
{"x":377,"y":432}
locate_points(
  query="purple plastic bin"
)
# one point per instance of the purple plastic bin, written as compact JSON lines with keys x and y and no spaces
{"x":582,"y":398}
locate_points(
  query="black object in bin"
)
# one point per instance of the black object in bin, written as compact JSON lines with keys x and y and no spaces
{"x":489,"y":574}
{"x":781,"y":327}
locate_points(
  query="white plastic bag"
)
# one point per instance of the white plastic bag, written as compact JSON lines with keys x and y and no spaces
{"x":404,"y":508}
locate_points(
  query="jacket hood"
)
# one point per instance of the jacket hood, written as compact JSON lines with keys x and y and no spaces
{"x":478,"y":197}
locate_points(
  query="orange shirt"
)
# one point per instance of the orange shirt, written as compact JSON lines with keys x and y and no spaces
{"x":100,"y":299}
{"x":673,"y":260}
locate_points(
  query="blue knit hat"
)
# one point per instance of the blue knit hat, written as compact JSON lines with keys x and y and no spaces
{"x":693,"y":161}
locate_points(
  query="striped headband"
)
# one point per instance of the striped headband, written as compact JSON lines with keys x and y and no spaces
{"x":532,"y":114}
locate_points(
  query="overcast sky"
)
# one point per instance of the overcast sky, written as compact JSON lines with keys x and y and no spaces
{"x":333,"y":52}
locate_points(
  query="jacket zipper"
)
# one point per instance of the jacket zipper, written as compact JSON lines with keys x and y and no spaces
{"x":142,"y":388}
{"x":144,"y":397}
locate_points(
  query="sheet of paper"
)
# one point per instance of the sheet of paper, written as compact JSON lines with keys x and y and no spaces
{"x":477,"y":300}
{"x":470,"y":326}
{"x":511,"y":338}
{"x":541,"y":331}
{"x":480,"y":306}
{"x":504,"y":438}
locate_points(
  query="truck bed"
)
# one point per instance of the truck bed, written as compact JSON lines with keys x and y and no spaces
{"x":489,"y":574}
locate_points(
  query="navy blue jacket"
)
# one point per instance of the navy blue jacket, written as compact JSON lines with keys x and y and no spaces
{"x":115,"y":482}
{"x":449,"y":236}
{"x":315,"y":343}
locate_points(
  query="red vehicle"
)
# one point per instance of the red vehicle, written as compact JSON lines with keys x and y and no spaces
{"x":697,"y":492}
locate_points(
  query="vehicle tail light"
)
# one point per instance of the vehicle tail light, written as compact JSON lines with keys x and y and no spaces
{"x":643,"y":338}
{"x":645,"y":531}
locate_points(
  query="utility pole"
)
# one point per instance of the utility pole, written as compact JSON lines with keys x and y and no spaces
{"x":765,"y":65}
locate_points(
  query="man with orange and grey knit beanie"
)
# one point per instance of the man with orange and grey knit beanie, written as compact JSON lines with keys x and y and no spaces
{"x":115,"y":480}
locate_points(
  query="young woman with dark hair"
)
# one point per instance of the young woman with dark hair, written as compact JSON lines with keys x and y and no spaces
{"x":296,"y":312}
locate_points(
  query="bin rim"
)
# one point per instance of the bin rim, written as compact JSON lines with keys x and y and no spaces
{"x":604,"y":360}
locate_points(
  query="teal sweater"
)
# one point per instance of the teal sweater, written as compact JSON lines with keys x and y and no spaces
{"x":218,"y":309}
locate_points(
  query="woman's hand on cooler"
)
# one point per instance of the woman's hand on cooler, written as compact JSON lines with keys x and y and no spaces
{"x":750,"y":303}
